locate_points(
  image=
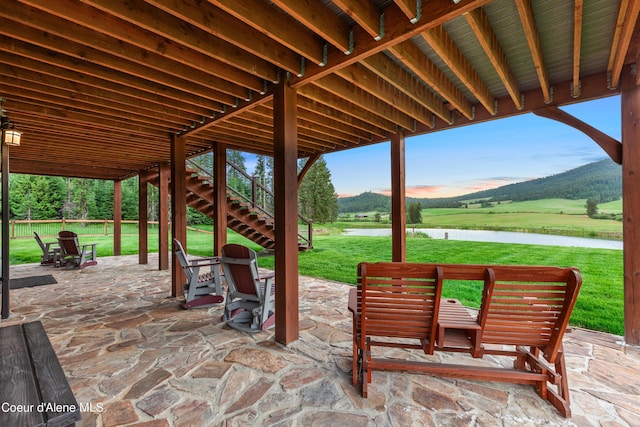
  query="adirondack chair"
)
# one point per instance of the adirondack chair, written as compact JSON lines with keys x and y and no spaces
{"x":250,"y":304}
{"x":74,"y":255}
{"x":203,"y":289}
{"x":51,"y":252}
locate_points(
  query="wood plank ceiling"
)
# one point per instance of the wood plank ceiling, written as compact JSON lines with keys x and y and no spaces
{"x":98,"y":86}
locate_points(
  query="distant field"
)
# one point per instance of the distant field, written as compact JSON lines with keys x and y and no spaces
{"x":554,"y":216}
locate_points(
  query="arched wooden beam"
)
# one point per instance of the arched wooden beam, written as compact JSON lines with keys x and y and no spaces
{"x":611,"y":146}
{"x":306,"y":167}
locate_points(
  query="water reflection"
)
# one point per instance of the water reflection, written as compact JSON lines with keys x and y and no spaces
{"x":496,"y":236}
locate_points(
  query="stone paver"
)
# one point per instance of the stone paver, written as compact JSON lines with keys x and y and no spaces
{"x":134,"y":357}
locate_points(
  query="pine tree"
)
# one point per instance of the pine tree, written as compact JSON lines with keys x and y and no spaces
{"x":414,"y":213}
{"x":235,"y":180}
{"x":317,"y":198}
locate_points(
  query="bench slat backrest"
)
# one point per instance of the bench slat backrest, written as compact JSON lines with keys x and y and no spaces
{"x":528,"y":309}
{"x":399,"y":300}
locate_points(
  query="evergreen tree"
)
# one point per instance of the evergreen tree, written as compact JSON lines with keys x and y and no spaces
{"x":317,"y":198}
{"x":35,"y":197}
{"x":235,"y":180}
{"x":263,"y":173}
{"x":414,"y":213}
{"x":592,"y":207}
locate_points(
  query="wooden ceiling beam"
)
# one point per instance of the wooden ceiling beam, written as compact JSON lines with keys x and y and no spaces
{"x":327,"y":98}
{"x":55,"y":169}
{"x":277,"y":25}
{"x":76,"y":101}
{"x":21,"y":67}
{"x":310,"y":104}
{"x":479,"y":24}
{"x":220,"y":24}
{"x":366,"y":14}
{"x":70,"y":131}
{"x":367,"y":81}
{"x":153,"y":19}
{"x":443,"y":45}
{"x":325,"y":130}
{"x":314,"y":122}
{"x":148,"y":66}
{"x":397,"y":30}
{"x":321,"y":20}
{"x":385,"y":68}
{"x":358,"y":97}
{"x":331,"y":123}
{"x":80,"y":118}
{"x":625,"y":25}
{"x":87,"y":69}
{"x":411,"y":8}
{"x":33,"y":80}
{"x":529,"y":27}
{"x":126,"y":32}
{"x":426,"y":70}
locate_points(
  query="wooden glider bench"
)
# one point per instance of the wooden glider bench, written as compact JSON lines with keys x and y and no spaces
{"x":524,"y":313}
{"x":34,"y":390}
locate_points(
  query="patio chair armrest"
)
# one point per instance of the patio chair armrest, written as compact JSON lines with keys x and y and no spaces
{"x":203,"y":262}
{"x":269,"y":275}
{"x":50,"y":246}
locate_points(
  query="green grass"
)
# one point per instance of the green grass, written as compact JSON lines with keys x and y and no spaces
{"x":599,"y":306}
{"x":335,"y":257}
{"x":548,"y":216}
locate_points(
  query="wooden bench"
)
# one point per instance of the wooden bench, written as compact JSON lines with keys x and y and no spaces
{"x":524,"y":313}
{"x":34,"y":390}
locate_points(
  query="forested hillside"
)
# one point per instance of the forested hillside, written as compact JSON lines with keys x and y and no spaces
{"x":601,"y":181}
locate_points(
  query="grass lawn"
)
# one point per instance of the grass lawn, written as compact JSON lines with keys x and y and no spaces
{"x":599,"y":306}
{"x":335,"y":257}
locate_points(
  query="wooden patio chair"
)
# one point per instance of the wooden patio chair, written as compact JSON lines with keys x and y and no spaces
{"x":203,"y":289}
{"x":250,"y":304}
{"x":51,"y":252}
{"x":526,"y":317}
{"x":74,"y":255}
{"x":397,"y":305}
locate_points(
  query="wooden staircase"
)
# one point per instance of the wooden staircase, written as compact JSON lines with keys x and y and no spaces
{"x":244,"y":216}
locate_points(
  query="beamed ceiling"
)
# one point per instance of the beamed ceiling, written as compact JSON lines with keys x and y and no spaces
{"x":99,"y":86}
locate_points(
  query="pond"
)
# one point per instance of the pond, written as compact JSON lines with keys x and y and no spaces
{"x":496,"y":236}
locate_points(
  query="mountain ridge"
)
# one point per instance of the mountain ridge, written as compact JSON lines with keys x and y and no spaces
{"x":601,"y":180}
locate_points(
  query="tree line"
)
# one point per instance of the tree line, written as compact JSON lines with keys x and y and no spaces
{"x":35,"y":197}
{"x":600,"y":181}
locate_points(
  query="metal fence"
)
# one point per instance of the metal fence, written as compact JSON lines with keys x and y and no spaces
{"x":50,"y":228}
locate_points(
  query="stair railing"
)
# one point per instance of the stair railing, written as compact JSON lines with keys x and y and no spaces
{"x":259,"y":197}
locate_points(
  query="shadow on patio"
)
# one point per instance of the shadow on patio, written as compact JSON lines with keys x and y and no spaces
{"x":133,"y":357}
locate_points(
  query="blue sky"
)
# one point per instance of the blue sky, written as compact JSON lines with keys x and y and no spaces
{"x":478,"y":157}
{"x":482,"y":156}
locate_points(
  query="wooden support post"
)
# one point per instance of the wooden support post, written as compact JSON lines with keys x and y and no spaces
{"x":5,"y":231}
{"x":398,"y":200}
{"x":286,"y":213}
{"x":178,"y":209}
{"x":117,"y":218}
{"x":219,"y":197}
{"x":163,"y":216}
{"x":630,"y":104}
{"x":143,"y":218}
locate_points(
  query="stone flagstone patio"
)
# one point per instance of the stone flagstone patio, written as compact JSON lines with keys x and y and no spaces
{"x":134,"y":358}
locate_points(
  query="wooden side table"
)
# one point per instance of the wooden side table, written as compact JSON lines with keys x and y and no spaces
{"x":458,"y":330}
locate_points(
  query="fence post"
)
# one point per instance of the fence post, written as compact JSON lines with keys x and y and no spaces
{"x":62,"y":226}
{"x":13,"y":228}
{"x":106,"y":227}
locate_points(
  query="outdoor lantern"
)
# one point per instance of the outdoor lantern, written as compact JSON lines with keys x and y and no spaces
{"x":11,"y":137}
